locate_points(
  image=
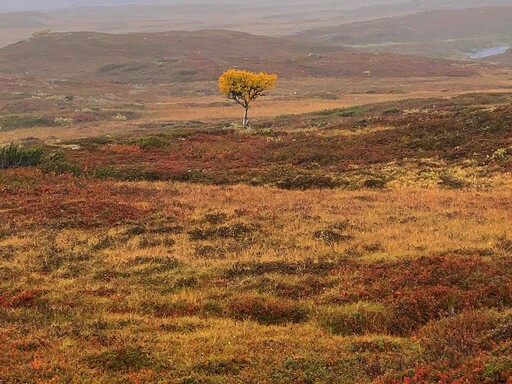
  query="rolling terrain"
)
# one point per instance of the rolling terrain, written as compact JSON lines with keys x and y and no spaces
{"x":63,"y":84}
{"x":503,"y":58}
{"x":453,"y":33}
{"x":200,"y":55}
{"x":359,"y":245}
{"x":359,"y":232}
{"x":264,"y":17}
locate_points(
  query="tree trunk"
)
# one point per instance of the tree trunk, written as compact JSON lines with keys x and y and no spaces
{"x":245,"y":120}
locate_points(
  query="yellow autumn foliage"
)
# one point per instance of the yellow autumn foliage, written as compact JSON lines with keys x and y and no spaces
{"x":244,"y":87}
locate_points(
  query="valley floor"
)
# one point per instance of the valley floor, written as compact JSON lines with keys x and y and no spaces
{"x":107,"y":281}
{"x":368,"y":244}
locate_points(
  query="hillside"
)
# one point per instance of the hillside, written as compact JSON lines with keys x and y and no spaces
{"x":368,"y":245}
{"x":448,"y":33}
{"x":201,"y":55}
{"x":262,"y":17}
{"x":505,"y":58}
{"x":357,"y":231}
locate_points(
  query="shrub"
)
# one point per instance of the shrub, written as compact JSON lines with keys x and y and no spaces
{"x":136,"y":174}
{"x":498,"y":368}
{"x":303,"y":182}
{"x":106,"y":172}
{"x":23,"y":299}
{"x":14,"y":156}
{"x":375,"y":183}
{"x":149,"y":242}
{"x":221,"y":366}
{"x":234,"y":231}
{"x":149,"y":142}
{"x":64,"y":121}
{"x":209,"y":252}
{"x":267,"y":311}
{"x":504,"y":244}
{"x":122,"y":359}
{"x":391,"y":111}
{"x":331,"y":237}
{"x":373,"y":247}
{"x":195,"y":380}
{"x":119,"y":117}
{"x":341,"y":112}
{"x":57,"y":163}
{"x":41,"y":33}
{"x":498,"y":155}
{"x":358,"y":318}
{"x":451,"y":340}
{"x":215,"y":217}
{"x":414,"y":308}
{"x":341,"y":225}
{"x":10,"y":122}
{"x":452,"y":182}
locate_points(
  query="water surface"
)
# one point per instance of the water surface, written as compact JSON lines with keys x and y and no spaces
{"x":497,"y":50}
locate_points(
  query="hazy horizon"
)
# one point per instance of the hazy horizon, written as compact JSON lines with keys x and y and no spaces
{"x":48,"y":5}
{"x":32,"y":5}
{"x":264,"y":17}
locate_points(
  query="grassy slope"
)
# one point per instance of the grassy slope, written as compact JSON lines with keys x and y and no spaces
{"x":448,"y":33}
{"x":397,"y":143}
{"x":269,"y":18}
{"x":505,"y":58}
{"x":148,"y":281}
{"x":202,"y":55}
{"x":92,"y":77}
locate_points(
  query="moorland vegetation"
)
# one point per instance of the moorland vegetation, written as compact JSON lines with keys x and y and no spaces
{"x":357,"y":245}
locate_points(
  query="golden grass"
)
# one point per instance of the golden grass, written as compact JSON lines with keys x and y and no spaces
{"x":292,"y":96}
{"x":112,"y":307}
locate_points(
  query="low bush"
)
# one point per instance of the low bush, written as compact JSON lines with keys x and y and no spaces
{"x":221,"y":366}
{"x":14,"y":156}
{"x":355,"y":319}
{"x":11,"y":122}
{"x":267,"y":310}
{"x":149,"y":142}
{"x":413,"y":308}
{"x":234,"y":231}
{"x":122,"y":359}
{"x":331,"y":237}
{"x":498,"y":367}
{"x":64,"y":121}
{"x":451,"y":340}
{"x":57,"y":163}
{"x":308,"y":181}
{"x":452,"y":182}
{"x":374,"y":183}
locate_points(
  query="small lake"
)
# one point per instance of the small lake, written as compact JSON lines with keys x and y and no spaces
{"x":498,"y":50}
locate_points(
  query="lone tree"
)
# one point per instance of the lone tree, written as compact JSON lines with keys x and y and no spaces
{"x":244,"y":87}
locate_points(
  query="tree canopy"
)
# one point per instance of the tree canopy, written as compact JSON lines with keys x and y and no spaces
{"x":244,"y":87}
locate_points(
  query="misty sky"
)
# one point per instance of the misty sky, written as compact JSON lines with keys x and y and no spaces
{"x":18,"y":5}
{"x":46,"y":4}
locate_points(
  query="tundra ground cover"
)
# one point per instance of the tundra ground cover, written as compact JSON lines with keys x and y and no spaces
{"x":378,"y":251}
{"x":453,"y":144}
{"x":146,"y":281}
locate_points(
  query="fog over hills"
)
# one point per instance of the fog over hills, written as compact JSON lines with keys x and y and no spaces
{"x":30,"y":5}
{"x":26,"y":5}
{"x":19,"y":19}
{"x":182,"y":56}
{"x":457,"y":33}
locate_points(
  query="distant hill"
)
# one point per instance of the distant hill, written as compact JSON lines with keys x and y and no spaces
{"x":505,"y":58}
{"x":262,"y":17}
{"x":201,"y":55}
{"x":452,"y":33}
